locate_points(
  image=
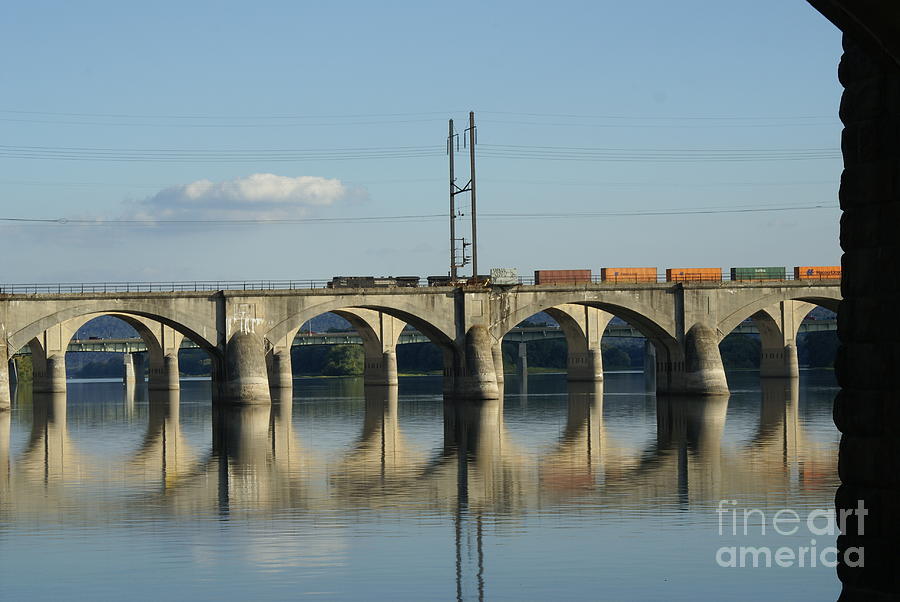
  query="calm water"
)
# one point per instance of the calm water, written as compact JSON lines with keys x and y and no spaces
{"x":345,"y":494}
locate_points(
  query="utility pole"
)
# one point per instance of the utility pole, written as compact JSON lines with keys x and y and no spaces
{"x":450,"y":141}
{"x":452,"y":138}
{"x":472,"y":190}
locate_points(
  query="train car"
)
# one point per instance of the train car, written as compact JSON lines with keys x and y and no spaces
{"x":770,"y":273}
{"x":693,"y":274}
{"x":439,"y":281}
{"x":628,"y":274}
{"x":373,"y":282}
{"x":407,"y":281}
{"x":561,"y":276}
{"x":352,"y":282}
{"x":821,"y":272}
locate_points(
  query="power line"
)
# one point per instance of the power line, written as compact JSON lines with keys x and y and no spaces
{"x":218,"y":125}
{"x":544,"y":153}
{"x":543,"y":182}
{"x":666,"y":118}
{"x":182,"y":116}
{"x":149,"y":222}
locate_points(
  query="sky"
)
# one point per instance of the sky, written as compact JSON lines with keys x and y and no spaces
{"x":302,"y":140}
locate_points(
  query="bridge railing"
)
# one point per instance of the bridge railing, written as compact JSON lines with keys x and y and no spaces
{"x":260,"y":285}
{"x":161,"y":287}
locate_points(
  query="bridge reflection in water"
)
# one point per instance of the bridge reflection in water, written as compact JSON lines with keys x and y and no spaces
{"x":256,"y":465}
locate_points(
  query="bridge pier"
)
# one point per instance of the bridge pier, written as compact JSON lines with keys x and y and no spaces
{"x":778,"y":326}
{"x":474,"y":375}
{"x":5,"y":424}
{"x":585,"y":367}
{"x":497,"y":353}
{"x":280,"y":370}
{"x":134,"y":369}
{"x":246,"y":379}
{"x":7,"y":383}
{"x":704,"y":373}
{"x":164,"y":372}
{"x":379,"y":332}
{"x":164,"y":369}
{"x":49,"y":374}
{"x":13,"y":371}
{"x":583,"y":327}
{"x":649,"y":365}
{"x":381,"y":370}
{"x":522,"y":364}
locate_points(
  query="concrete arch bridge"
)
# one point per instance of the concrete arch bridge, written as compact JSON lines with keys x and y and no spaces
{"x":248,"y":334}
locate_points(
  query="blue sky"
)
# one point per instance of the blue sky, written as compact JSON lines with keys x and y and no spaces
{"x":117,"y":111}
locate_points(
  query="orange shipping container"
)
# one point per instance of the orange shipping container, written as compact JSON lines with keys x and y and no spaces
{"x":693,"y":274}
{"x":628,"y":274}
{"x":561,"y":276}
{"x":821,"y":272}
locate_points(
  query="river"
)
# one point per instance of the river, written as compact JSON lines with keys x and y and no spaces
{"x":344,"y":492}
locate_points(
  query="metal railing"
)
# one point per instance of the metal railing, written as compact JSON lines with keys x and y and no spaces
{"x":160,"y":287}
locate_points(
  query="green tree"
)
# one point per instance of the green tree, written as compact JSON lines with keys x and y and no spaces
{"x":817,"y":349}
{"x":24,"y":371}
{"x":344,"y":360}
{"x":740,"y":352}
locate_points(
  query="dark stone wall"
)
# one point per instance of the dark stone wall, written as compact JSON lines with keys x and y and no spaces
{"x":867,"y":409}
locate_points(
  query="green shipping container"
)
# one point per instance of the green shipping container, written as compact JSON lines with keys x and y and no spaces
{"x":758,"y":273}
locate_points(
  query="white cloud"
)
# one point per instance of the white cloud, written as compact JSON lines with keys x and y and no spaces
{"x":258,"y":196}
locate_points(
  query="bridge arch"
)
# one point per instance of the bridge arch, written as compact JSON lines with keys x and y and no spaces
{"x":826,"y":299}
{"x":778,"y":325}
{"x":178,"y":321}
{"x":648,"y":325}
{"x":648,"y":321}
{"x":379,"y":327}
{"x":49,"y":337}
{"x":441,"y":333}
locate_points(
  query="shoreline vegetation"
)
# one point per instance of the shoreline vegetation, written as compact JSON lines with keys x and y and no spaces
{"x":739,"y":353}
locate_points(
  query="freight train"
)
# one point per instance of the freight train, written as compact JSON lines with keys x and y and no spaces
{"x":614,"y":275}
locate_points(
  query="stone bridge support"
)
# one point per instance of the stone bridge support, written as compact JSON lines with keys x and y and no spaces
{"x":583,"y":327}
{"x":5,"y":467}
{"x":7,"y":376}
{"x":163,"y":369}
{"x":134,"y":369}
{"x":473,"y":362}
{"x":474,"y":374}
{"x":246,"y":379}
{"x":778,"y":326}
{"x":279,"y":368}
{"x":48,"y":359}
{"x":703,"y":372}
{"x":380,"y":333}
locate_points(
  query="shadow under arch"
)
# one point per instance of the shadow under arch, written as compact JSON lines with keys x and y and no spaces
{"x":668,"y":351}
{"x":49,"y":372}
{"x":778,"y":326}
{"x":282,"y":335}
{"x":730,"y":322}
{"x":288,"y":328}
{"x":175,"y":320}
